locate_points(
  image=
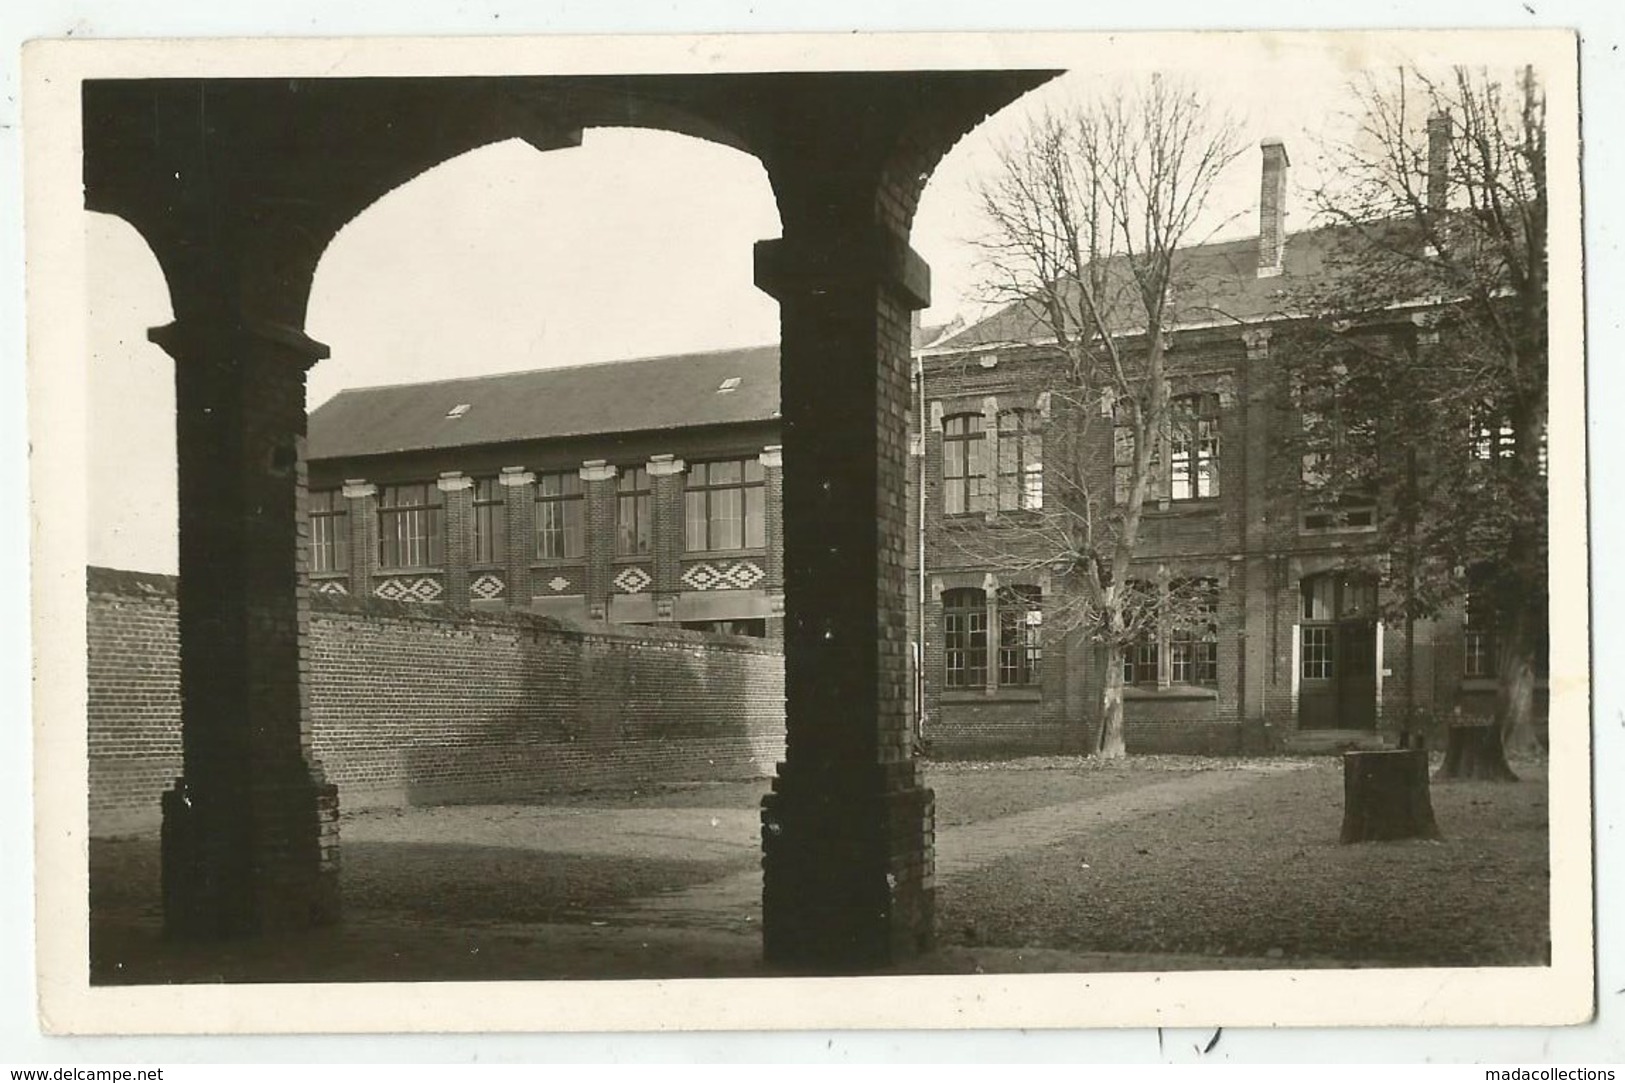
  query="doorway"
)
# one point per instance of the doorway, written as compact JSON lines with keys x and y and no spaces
{"x":1337,"y":667}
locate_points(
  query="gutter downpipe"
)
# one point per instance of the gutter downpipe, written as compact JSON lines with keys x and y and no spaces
{"x":919,"y":622}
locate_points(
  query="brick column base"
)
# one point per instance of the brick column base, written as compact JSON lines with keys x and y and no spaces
{"x":255,"y":863}
{"x":844,"y":896}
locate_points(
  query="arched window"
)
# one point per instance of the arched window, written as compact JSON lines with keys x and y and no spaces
{"x":1191,"y":468}
{"x":964,"y":637}
{"x":1021,"y":461}
{"x":964,"y":465}
{"x":1193,"y":447}
{"x":1021,"y":628}
{"x":1193,"y":636}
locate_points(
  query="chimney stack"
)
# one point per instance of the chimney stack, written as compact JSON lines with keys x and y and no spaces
{"x":1272,"y":207}
{"x":1439,"y":131}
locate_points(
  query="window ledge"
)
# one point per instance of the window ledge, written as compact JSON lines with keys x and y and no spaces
{"x":633,"y":558}
{"x":1172,"y":692}
{"x":1490,"y":684}
{"x":1317,"y":531}
{"x":382,"y":573}
{"x":544,"y":563}
{"x":324,"y":576}
{"x":1207,"y":505}
{"x":714,"y":554}
{"x":1023,"y":694}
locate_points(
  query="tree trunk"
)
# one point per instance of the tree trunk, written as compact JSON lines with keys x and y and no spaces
{"x":1515,"y":702}
{"x":1479,"y":752}
{"x":1385,"y":796}
{"x":1110,"y":746}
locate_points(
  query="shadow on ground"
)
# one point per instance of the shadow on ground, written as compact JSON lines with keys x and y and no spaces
{"x":1167,"y":864}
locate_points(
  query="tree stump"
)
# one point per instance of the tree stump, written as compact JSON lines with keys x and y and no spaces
{"x":1385,"y":796}
{"x":1476,"y":752}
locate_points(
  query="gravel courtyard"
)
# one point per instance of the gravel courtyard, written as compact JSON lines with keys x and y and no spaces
{"x":1042,"y":864}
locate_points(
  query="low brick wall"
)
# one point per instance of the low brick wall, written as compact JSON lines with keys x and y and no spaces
{"x":415,"y":705}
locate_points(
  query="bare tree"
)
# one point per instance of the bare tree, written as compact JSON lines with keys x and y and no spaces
{"x":1089,"y":212}
{"x":1438,"y":202}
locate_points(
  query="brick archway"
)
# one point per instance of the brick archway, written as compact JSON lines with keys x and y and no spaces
{"x":239,"y":185}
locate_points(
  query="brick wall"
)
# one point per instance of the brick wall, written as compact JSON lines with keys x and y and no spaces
{"x":417,"y":704}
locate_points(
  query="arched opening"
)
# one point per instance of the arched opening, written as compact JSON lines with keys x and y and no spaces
{"x":505,"y":259}
{"x":131,"y":422}
{"x":250,"y":831}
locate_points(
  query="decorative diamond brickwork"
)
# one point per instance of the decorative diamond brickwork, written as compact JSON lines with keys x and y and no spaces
{"x":558,"y":584}
{"x":633,"y":581}
{"x":399,"y":589}
{"x":487,"y":587}
{"x":331,"y":586}
{"x":741,"y":575}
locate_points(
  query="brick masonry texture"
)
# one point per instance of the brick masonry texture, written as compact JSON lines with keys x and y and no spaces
{"x":413,"y":705}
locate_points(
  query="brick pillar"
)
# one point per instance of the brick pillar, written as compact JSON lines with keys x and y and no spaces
{"x":1252,"y":486}
{"x":598,"y":488}
{"x":363,"y":517}
{"x":250,"y":829}
{"x":458,"y":495}
{"x":519,"y":486}
{"x":848,"y":874}
{"x":666,"y":501}
{"x":772,"y":459}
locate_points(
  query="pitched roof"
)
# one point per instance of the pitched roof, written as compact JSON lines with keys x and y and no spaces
{"x":1213,"y":284}
{"x":650,"y":393}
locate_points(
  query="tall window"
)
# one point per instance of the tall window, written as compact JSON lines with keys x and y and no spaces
{"x":490,"y":522}
{"x":329,"y":531}
{"x":558,"y":516}
{"x":1478,"y":639}
{"x":1142,"y":654}
{"x":1338,"y":463}
{"x":1190,"y":470}
{"x":1193,"y":637}
{"x":964,"y":465}
{"x":725,"y":506}
{"x":1193,"y":447}
{"x":410,"y":531}
{"x":1021,"y":616}
{"x":964,"y":637}
{"x":1021,"y":461}
{"x":632,"y":512}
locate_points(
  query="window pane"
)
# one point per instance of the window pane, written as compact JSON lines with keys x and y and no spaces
{"x":694,"y":522}
{"x":572,"y":528}
{"x":727,"y":519}
{"x":756,"y":518}
{"x":754,"y":471}
{"x":725,"y":473}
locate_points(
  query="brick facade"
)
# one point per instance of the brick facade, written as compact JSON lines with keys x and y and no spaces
{"x":746,"y":590}
{"x":414,"y":704}
{"x":1251,"y":539}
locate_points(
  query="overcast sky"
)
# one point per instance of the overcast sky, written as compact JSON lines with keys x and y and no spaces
{"x":637,"y":243}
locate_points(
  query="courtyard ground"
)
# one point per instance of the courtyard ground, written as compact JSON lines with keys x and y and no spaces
{"x":1044,"y":864}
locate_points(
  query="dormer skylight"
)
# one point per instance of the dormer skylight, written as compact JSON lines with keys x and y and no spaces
{"x":457,"y":411}
{"x":730,"y":384}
